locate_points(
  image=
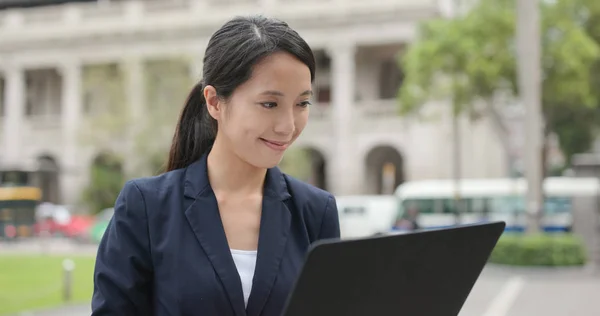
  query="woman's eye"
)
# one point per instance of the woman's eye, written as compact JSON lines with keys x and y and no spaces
{"x":304,"y":103}
{"x":269,"y":105}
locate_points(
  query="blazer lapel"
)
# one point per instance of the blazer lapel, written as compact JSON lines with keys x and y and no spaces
{"x":274,"y":228}
{"x":202,"y":212}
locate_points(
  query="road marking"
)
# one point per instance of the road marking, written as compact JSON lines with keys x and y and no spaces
{"x":505,"y":299}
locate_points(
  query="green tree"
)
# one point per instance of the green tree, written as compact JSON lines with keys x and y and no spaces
{"x":109,"y":124}
{"x":297,"y":163}
{"x":104,"y":121}
{"x":105,"y":114}
{"x":106,"y":181}
{"x":577,"y":135}
{"x":472,"y":58}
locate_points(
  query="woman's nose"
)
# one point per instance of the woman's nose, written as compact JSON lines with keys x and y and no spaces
{"x":285,"y":124}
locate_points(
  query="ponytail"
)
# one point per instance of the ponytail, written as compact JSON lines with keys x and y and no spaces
{"x":195,"y":132}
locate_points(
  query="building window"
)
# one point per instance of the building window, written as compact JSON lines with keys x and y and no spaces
{"x":323,"y":94}
{"x":390,"y":79}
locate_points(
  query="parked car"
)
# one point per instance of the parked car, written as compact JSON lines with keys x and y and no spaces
{"x":58,"y":221}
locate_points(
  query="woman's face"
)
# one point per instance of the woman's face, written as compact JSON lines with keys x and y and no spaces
{"x":266,"y":114}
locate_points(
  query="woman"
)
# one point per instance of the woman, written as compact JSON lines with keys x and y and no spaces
{"x":223,"y":231}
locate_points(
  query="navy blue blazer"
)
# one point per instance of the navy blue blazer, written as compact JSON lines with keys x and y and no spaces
{"x":165,"y":251}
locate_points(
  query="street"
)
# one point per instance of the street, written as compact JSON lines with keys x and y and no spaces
{"x":501,"y":292}
{"x":526,"y":291}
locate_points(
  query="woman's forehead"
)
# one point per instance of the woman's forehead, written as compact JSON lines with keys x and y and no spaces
{"x":280,"y":73}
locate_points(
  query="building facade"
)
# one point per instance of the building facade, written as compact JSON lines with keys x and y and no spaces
{"x":354,"y":133}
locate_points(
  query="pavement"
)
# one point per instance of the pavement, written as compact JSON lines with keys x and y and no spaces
{"x":502,"y":291}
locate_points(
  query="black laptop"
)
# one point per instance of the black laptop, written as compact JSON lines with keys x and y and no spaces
{"x":422,"y":273}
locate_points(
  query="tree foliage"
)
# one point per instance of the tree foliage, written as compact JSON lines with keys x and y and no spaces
{"x":297,"y":162}
{"x":110,"y":125}
{"x":106,"y":181}
{"x":473,"y":58}
{"x":109,"y":120}
{"x":105,"y":114}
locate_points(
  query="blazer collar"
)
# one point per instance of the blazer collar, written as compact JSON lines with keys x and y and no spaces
{"x":202,"y":213}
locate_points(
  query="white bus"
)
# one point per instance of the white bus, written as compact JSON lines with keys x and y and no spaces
{"x":493,"y":199}
{"x":366,"y":215}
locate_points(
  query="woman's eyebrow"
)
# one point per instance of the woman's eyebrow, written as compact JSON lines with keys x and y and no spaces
{"x":281,"y":94}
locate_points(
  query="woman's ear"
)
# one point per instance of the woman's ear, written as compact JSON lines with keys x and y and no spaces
{"x":213,"y":102}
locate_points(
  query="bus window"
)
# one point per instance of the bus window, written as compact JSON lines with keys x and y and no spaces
{"x":14,"y":178}
{"x":24,"y":215}
{"x":508,"y":204}
{"x":6,"y":215}
{"x":355,"y":210}
{"x":556,"y":205}
{"x":423,"y":206}
{"x":450,"y":206}
{"x":17,"y":209}
{"x":477,"y":205}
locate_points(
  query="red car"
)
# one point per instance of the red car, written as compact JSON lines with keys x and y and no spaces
{"x":58,"y":221}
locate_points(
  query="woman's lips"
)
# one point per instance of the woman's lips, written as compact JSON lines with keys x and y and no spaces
{"x":275,"y":145}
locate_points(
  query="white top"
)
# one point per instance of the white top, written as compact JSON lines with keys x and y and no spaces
{"x":245,"y":262}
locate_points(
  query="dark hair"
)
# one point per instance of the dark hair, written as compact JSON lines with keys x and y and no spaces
{"x":230,"y":56}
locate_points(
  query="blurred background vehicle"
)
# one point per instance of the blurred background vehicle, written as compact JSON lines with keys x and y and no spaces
{"x":102,"y":219}
{"x":18,"y":201}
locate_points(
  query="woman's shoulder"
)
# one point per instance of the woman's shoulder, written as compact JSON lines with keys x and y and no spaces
{"x":159,"y":185}
{"x":318,"y":209}
{"x":303,"y":191}
{"x":312,"y":202}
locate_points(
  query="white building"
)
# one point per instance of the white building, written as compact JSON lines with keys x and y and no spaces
{"x":354,"y":128}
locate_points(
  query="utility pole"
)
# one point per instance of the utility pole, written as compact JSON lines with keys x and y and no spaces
{"x":529,"y":78}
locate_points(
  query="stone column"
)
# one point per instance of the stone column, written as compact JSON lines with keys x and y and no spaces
{"x":136,"y":98}
{"x":14,"y":113}
{"x":342,"y":173}
{"x":71,"y":108}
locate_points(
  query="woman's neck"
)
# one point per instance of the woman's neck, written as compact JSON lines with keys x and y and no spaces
{"x":228,"y":173}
